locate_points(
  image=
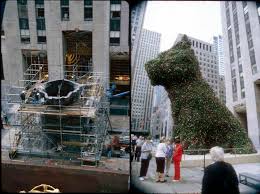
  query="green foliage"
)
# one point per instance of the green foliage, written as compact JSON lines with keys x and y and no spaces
{"x":202,"y":120}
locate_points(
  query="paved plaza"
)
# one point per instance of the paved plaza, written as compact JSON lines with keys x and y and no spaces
{"x":191,"y":179}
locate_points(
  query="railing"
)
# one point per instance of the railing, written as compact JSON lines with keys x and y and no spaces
{"x":201,"y":153}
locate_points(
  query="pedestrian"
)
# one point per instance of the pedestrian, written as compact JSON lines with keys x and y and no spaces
{"x":168,"y":158}
{"x":177,"y":155}
{"x":6,"y":119}
{"x":133,"y":144}
{"x":160,"y":160}
{"x":139,"y":143}
{"x":109,"y":150}
{"x":146,"y":156}
{"x":219,"y":177}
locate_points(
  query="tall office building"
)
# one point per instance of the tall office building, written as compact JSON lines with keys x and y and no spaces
{"x":142,"y":91}
{"x":241,"y":29}
{"x":137,"y":20}
{"x":162,"y":122}
{"x":218,"y":49}
{"x":207,"y":61}
{"x":67,"y":39}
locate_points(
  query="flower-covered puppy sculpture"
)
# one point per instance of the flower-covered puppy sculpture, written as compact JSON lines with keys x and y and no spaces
{"x":202,"y":121}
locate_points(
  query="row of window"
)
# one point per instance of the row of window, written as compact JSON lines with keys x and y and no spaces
{"x":236,"y":28}
{"x":88,"y":10}
{"x":206,"y":55}
{"x":201,"y":45}
{"x":208,"y":65}
{"x":24,"y":21}
{"x":207,"y":60}
{"x":210,"y":71}
{"x":241,"y":77}
{"x":115,"y":16}
{"x":40,"y":21}
{"x":249,"y":39}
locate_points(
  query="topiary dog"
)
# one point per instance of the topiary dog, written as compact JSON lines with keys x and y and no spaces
{"x":202,"y":120}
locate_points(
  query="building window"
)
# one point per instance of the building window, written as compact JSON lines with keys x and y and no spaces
{"x":243,"y":95}
{"x":23,"y":21}
{"x":115,"y":25}
{"x":40,"y":24}
{"x":114,"y":38}
{"x":88,"y":10}
{"x":246,"y":16}
{"x":242,"y":85}
{"x":200,"y":45}
{"x":40,"y":21}
{"x":236,"y":27}
{"x":233,"y":73}
{"x":244,"y":3}
{"x":228,"y":18}
{"x":196,"y":44}
{"x":240,"y":69}
{"x":25,"y":36}
{"x":41,"y":39}
{"x":115,"y":16}
{"x":231,"y":54}
{"x":65,"y":15}
{"x":234,"y":89}
{"x":248,"y":30}
{"x":250,"y":43}
{"x":234,"y":6}
{"x":252,"y":56}
{"x":238,"y":52}
{"x":206,"y":47}
{"x":40,"y":12}
{"x":116,"y":2}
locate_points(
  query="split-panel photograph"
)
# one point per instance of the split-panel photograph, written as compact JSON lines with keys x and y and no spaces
{"x":195,"y":97}
{"x":65,"y":96}
{"x":130,"y":96}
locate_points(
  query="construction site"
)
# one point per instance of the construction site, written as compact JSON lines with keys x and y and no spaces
{"x":61,"y":123}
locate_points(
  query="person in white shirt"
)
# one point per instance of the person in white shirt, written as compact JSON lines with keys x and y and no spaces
{"x":139,"y":143}
{"x":160,"y":160}
{"x":146,"y":156}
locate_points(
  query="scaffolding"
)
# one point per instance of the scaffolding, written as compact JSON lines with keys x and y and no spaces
{"x":70,"y":133}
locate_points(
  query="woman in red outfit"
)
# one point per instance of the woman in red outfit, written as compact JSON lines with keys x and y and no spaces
{"x":177,"y":155}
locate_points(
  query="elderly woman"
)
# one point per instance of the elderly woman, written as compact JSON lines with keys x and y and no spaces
{"x":160,"y":160}
{"x":219,"y":177}
{"x":146,"y":152}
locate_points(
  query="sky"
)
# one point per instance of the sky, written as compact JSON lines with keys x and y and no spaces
{"x":198,"y":19}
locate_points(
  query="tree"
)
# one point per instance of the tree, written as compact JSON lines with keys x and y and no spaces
{"x":202,"y":120}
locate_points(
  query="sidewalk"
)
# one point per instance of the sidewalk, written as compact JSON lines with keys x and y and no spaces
{"x":191,"y":179}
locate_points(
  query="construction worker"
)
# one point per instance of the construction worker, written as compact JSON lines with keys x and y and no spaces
{"x":22,"y":96}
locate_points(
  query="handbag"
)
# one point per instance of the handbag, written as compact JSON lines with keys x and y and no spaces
{"x":149,"y":157}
